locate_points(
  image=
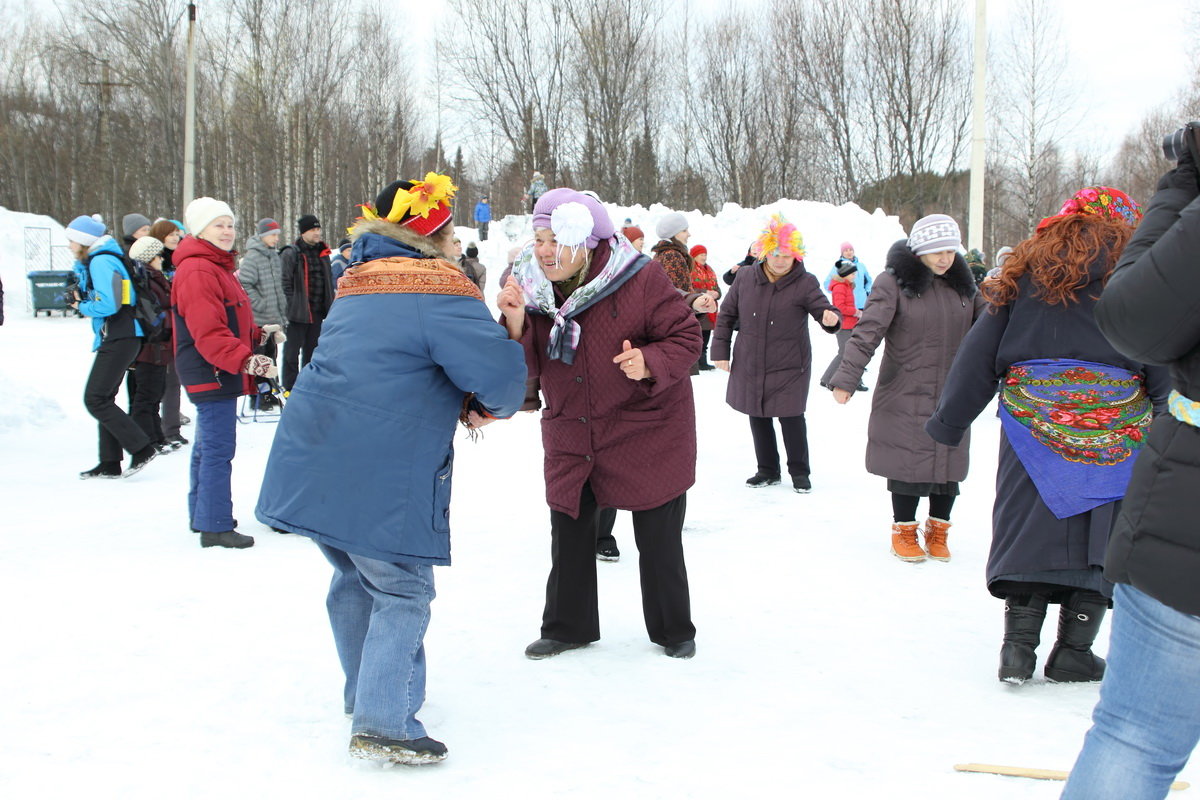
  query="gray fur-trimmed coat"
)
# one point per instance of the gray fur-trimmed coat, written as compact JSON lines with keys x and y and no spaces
{"x":924,"y":318}
{"x":261,"y":275}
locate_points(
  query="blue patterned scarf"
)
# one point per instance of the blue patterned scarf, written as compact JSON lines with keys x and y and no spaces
{"x":1076,"y":427}
{"x":623,"y":263}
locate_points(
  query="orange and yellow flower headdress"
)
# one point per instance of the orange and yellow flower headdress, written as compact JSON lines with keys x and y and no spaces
{"x":423,"y":206}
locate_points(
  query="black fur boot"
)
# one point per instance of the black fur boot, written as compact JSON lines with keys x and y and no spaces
{"x":1023,"y":617}
{"x":1072,"y":659}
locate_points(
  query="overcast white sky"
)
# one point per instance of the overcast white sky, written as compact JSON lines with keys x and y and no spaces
{"x":1129,"y":55}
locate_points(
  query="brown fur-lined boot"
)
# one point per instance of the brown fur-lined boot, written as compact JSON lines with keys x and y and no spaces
{"x":904,"y":542}
{"x":936,"y":531}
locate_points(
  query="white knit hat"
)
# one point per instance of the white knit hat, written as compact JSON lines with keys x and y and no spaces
{"x":671,"y":225}
{"x":145,"y":249}
{"x":933,"y":234}
{"x":202,"y":211}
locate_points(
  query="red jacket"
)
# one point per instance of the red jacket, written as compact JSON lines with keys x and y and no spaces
{"x":214,"y":328}
{"x":635,"y":441}
{"x":843,"y":300}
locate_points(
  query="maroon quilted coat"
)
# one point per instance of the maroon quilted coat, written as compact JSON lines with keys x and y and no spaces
{"x":635,"y":441}
{"x":772,"y":357}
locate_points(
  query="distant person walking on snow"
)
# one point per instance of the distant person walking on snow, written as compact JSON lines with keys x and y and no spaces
{"x":771,"y":364}
{"x":861,"y":285}
{"x":483,"y":217}
{"x":923,"y":304}
{"x":308,"y":285}
{"x":105,"y":293}
{"x":537,"y":188}
{"x":841,"y":289}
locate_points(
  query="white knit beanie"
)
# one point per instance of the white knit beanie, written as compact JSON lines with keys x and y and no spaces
{"x":933,"y":234}
{"x":145,"y":249}
{"x":672,"y":224}
{"x":202,"y":211}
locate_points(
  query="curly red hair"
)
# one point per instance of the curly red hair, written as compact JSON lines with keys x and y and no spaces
{"x":1059,"y":259}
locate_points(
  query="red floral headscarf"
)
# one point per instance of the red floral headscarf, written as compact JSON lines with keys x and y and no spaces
{"x":1103,"y":201}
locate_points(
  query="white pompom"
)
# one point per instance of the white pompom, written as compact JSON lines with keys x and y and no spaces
{"x":572,"y":224}
{"x":98,"y":218}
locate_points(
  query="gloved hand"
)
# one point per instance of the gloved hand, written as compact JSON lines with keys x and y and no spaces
{"x":273,"y":330}
{"x":261,"y":366}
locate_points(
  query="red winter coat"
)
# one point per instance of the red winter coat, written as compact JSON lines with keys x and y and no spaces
{"x":843,"y":300}
{"x":214,"y":324}
{"x":635,"y":441}
{"x":703,"y":280}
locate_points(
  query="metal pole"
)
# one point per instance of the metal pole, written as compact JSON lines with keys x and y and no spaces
{"x":189,"y":114}
{"x":978,"y":135}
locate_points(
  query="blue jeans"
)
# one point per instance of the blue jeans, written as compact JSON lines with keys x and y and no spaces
{"x":1148,"y":719}
{"x":210,"y":500}
{"x":379,"y":613}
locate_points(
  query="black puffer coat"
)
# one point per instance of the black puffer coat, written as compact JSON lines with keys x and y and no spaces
{"x":1150,"y":311}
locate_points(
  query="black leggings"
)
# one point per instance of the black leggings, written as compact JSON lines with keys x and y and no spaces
{"x":904,"y":506}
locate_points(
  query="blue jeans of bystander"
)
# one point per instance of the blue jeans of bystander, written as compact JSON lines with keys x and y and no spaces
{"x":1148,"y":718}
{"x":379,"y":613}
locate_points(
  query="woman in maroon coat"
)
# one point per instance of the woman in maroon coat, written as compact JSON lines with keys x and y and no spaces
{"x":769,"y":305}
{"x":612,"y":344}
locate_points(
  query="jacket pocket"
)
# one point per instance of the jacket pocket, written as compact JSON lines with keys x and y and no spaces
{"x":441,"y":495}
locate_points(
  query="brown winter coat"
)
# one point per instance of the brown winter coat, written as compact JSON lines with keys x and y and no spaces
{"x":773,"y":366}
{"x":924,"y":319}
{"x":634,"y":441}
{"x":677,"y":263}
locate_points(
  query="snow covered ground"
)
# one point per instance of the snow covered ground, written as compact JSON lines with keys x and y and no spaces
{"x":137,"y":665}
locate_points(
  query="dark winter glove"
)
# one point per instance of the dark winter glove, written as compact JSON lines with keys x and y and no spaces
{"x":260,"y":366}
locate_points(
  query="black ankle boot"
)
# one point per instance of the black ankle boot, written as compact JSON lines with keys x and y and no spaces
{"x":1023,"y":617}
{"x":1072,"y":659}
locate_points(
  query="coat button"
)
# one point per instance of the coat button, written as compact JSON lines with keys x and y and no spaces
{"x":587,"y":458}
{"x":579,"y":379}
{"x":583,"y":419}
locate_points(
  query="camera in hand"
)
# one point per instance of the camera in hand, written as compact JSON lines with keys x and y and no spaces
{"x":1176,"y":145}
{"x":71,"y":295}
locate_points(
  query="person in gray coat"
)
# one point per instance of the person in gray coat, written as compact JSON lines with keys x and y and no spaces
{"x":261,"y":275}
{"x":769,"y":305}
{"x":923,"y":304}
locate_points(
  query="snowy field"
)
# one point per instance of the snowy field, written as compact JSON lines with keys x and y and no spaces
{"x":137,"y":665}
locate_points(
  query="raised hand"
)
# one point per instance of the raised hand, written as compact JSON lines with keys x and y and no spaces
{"x":632,"y":362}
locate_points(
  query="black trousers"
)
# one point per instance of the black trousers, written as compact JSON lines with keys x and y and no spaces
{"x":118,"y":431}
{"x":170,"y":403}
{"x":298,"y":349}
{"x":572,"y":613}
{"x":483,"y":226}
{"x":705,"y":336}
{"x":904,"y":506}
{"x":604,"y":527}
{"x":795,"y":441}
{"x":146,"y":384}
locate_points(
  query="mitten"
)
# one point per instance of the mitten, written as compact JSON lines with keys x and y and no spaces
{"x":275,"y":331}
{"x":260,"y":365}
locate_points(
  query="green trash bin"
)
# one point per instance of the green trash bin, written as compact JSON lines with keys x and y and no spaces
{"x":46,"y":287}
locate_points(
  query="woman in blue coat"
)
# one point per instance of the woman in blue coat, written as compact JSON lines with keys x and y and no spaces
{"x":363,"y":466}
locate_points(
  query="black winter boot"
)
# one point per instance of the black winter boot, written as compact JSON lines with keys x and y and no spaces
{"x":761,"y":479}
{"x":1072,"y":659}
{"x":1023,"y":617}
{"x":225,"y":539}
{"x":105,"y":469}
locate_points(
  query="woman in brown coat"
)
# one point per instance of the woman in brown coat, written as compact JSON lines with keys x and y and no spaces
{"x":923,"y":304}
{"x":769,"y":305}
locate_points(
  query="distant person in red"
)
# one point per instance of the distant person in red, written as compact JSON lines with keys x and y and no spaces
{"x":842,"y":288}
{"x":704,"y":280}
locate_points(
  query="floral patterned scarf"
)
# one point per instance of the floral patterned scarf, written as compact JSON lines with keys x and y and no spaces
{"x":1076,"y":427}
{"x":623,"y":263}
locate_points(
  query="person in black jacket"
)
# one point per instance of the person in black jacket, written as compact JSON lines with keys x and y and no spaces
{"x":731,"y":273}
{"x":308,"y":286}
{"x":1148,"y":719}
{"x":1073,"y":414}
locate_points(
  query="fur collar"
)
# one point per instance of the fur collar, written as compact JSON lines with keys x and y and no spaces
{"x":915,"y":278}
{"x":399,"y":233}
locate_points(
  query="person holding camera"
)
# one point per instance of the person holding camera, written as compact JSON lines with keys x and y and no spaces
{"x":103,"y":291}
{"x":215,"y":336}
{"x":1147,"y":721}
